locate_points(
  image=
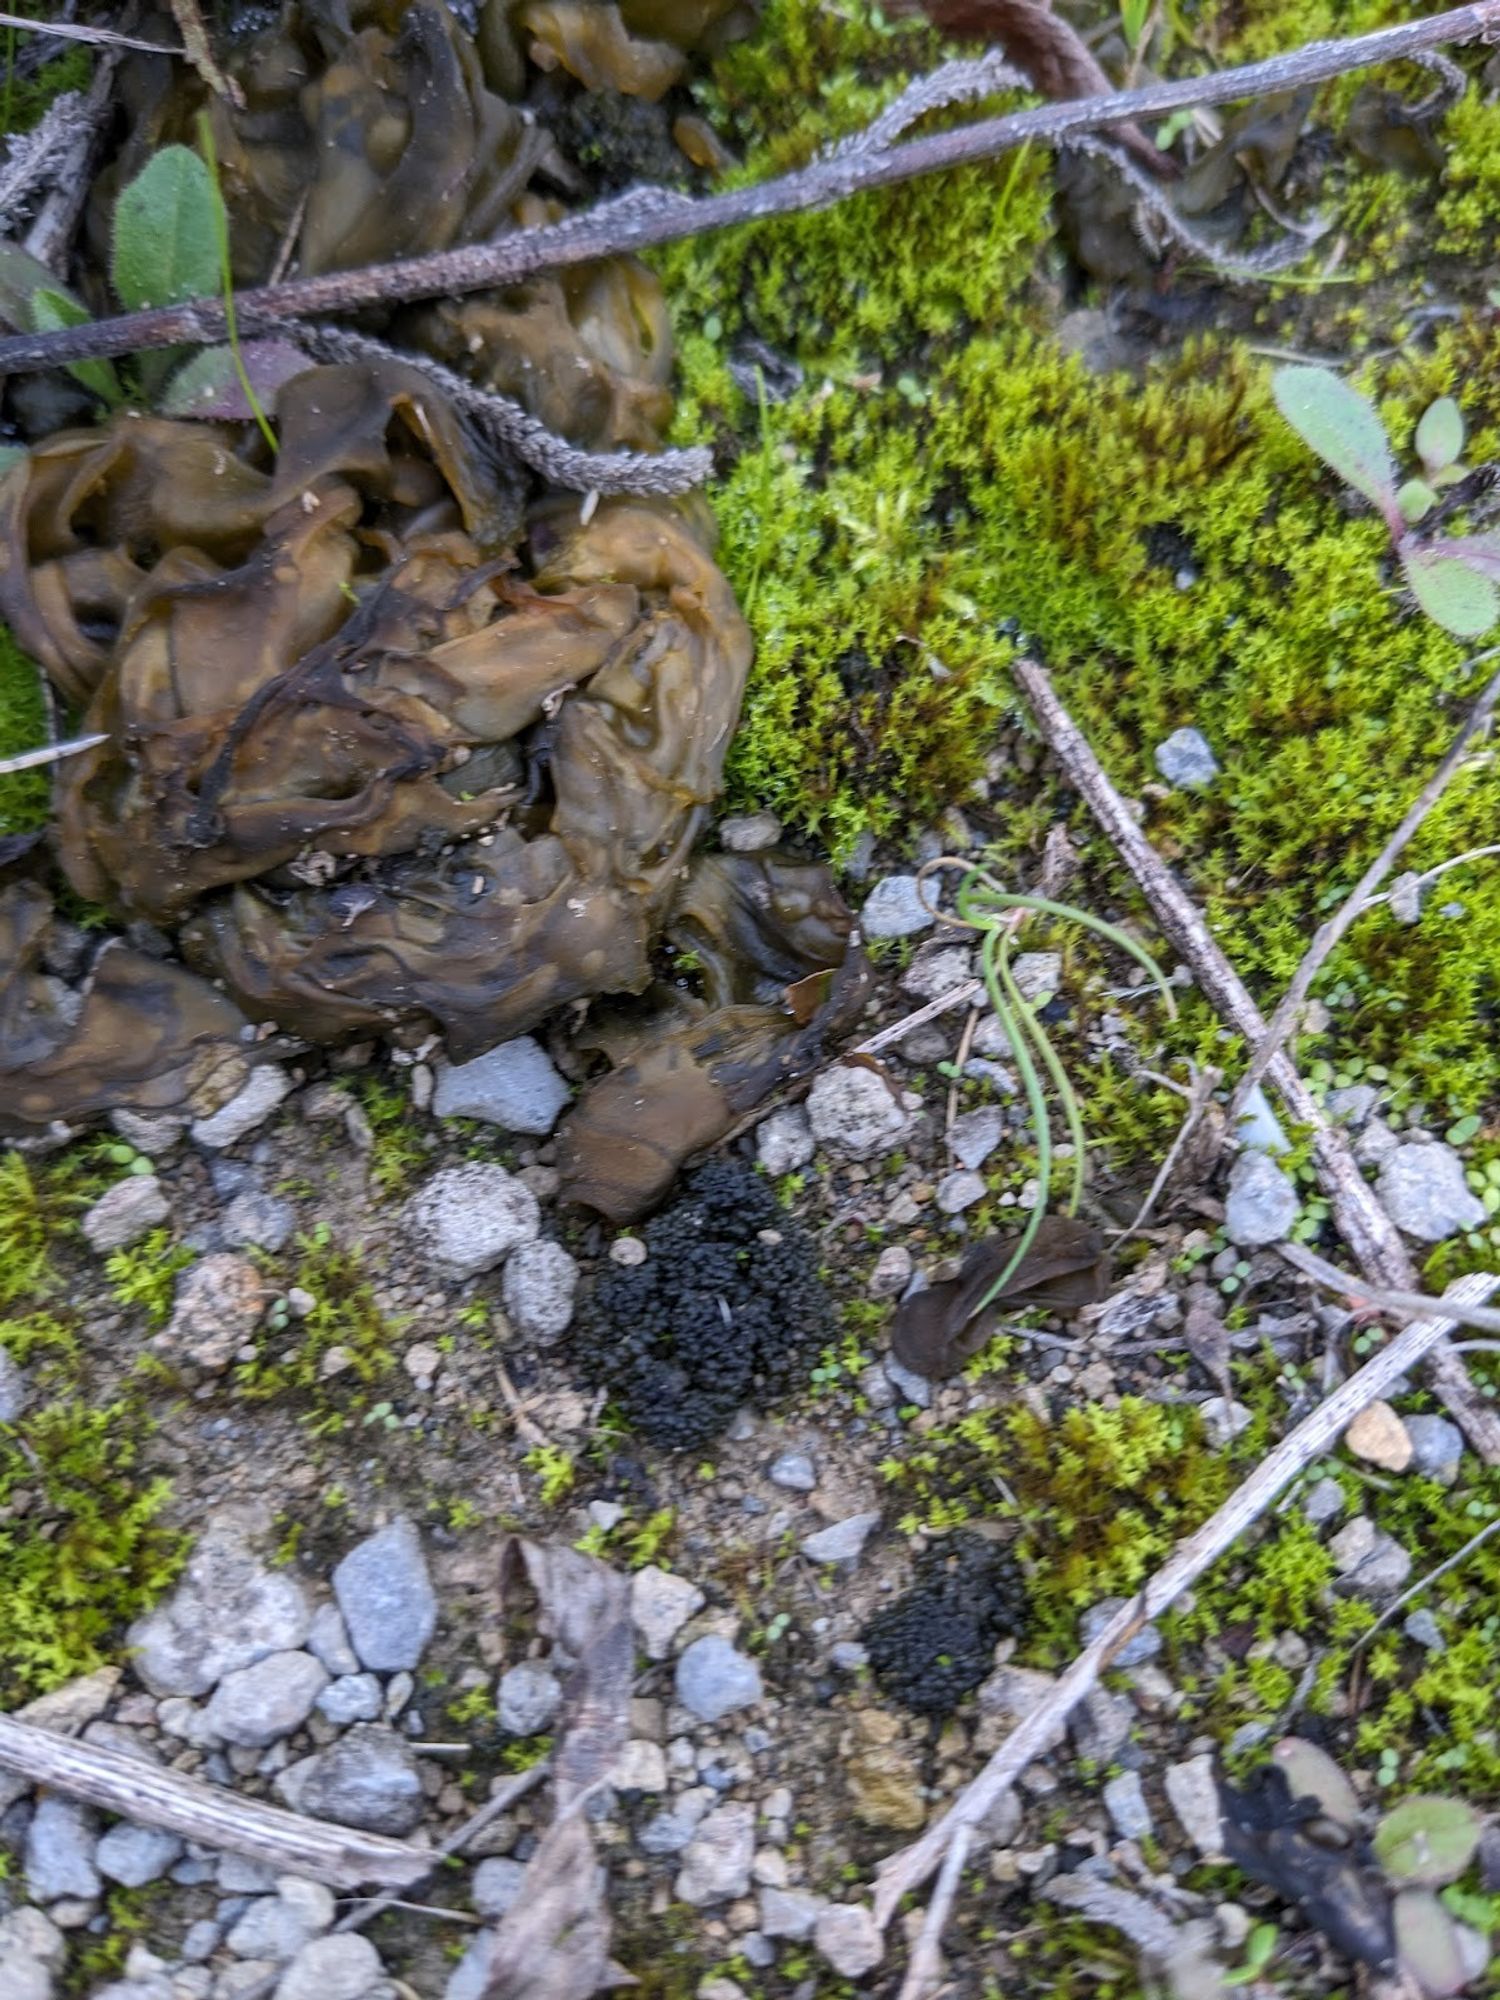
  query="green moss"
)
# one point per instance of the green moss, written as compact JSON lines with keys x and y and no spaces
{"x":23,"y":795}
{"x":331,"y":1357}
{"x":144,"y":1276}
{"x":1470,"y":200}
{"x":83,"y":1547}
{"x":24,"y":1267}
{"x":23,"y":99}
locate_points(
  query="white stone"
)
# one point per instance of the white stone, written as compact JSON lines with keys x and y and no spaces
{"x":853,"y":1113}
{"x":1262,"y":1203}
{"x":258,"y":1705}
{"x":539,"y":1285}
{"x":749,"y":833}
{"x":1186,"y":759}
{"x":843,"y":1540}
{"x":661,"y":1603}
{"x":516,"y":1086}
{"x":345,"y":1967}
{"x":960,"y":1190}
{"x":125,"y":1213}
{"x":716,"y":1862}
{"x":846,"y":1936}
{"x":248,"y":1108}
{"x":1423,"y":1190}
{"x":642,"y":1767}
{"x":784,"y":1141}
{"x":895,"y":908}
{"x":465,"y":1219}
{"x":1193,"y":1794}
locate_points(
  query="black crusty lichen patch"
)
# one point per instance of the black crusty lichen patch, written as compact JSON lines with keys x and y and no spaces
{"x":727,"y":1309}
{"x":937,"y":1641}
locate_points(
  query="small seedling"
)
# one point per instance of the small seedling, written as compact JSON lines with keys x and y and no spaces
{"x":1455,"y":579}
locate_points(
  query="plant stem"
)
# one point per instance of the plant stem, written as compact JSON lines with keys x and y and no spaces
{"x":226,"y":273}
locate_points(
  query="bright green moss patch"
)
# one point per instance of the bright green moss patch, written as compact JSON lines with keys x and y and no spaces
{"x":331,"y":1355}
{"x":1470,"y":201}
{"x":83,"y":1546}
{"x":23,"y":796}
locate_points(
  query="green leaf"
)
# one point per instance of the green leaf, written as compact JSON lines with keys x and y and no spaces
{"x":1342,"y":427}
{"x":51,"y":311}
{"x":1427,"y":1946}
{"x":1461,"y":1133}
{"x":1451,"y":593}
{"x":1415,"y":499}
{"x":1427,"y":1840}
{"x":1440,"y":434}
{"x":165,"y":247}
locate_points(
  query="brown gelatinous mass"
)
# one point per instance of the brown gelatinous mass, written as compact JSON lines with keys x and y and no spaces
{"x":1066,"y":1268}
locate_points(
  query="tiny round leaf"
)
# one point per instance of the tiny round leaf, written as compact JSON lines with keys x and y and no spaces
{"x":1440,"y":434}
{"x":1427,"y":1840}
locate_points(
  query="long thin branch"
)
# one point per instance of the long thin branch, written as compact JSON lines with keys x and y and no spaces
{"x":1360,"y":1220}
{"x":1400,"y":1304}
{"x":75,"y":31}
{"x":152,"y":1796}
{"x":906,"y":1870}
{"x":1284,"y":1020}
{"x":648,"y":216}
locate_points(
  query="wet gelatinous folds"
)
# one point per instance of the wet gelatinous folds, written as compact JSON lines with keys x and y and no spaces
{"x":395,"y":738}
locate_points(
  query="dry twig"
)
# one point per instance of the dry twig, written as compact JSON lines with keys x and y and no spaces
{"x":1361,"y":1221}
{"x":50,"y":237}
{"x":906,"y":1870}
{"x":1399,"y":1304}
{"x":75,"y":31}
{"x":648,"y":216}
{"x":1284,"y":1020}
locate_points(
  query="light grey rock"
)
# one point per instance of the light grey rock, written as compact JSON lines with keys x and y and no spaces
{"x":31,"y":1951}
{"x":843,"y":1541}
{"x":661,"y":1603}
{"x":1375,"y":1143}
{"x":529,"y":1697}
{"x":845,"y":1934}
{"x":153,"y":1135}
{"x":496,"y":1885}
{"x":471,"y":1975}
{"x":784,"y":1141}
{"x":1012,"y":1693}
{"x":1370,"y":1562}
{"x":1436,"y":1446}
{"x":853,"y":1113}
{"x":794,"y":1471}
{"x":1038,"y":974}
{"x":153,"y":1986}
{"x":789,"y":1913}
{"x":1423,"y":1190}
{"x":894,"y":908}
{"x":1224,"y":1421}
{"x":1100,"y":1725}
{"x":351,"y":1698}
{"x":1145,"y":1645}
{"x":258,"y":1705}
{"x":228,"y":1612}
{"x":215,"y":1308}
{"x":1424,"y":1628}
{"x":1324,"y":1502}
{"x":974,"y":1135}
{"x":960,"y":1190}
{"x":641,"y":1767}
{"x":670,"y":1830}
{"x":936,"y":970}
{"x":1193,"y":1794}
{"x":248,"y":1108}
{"x":715,"y":1678}
{"x":538,"y":1288}
{"x":1354,"y":1105}
{"x":913,"y":1388}
{"x":516,"y":1086}
{"x":14,"y":1392}
{"x":278,"y":1926}
{"x":1125,"y":1802}
{"x":328,"y":1641}
{"x":332,"y":1968}
{"x":135,"y":1855}
{"x":1186,"y":759}
{"x":1258,"y":1129}
{"x":892,"y":1272}
{"x":465,"y":1219}
{"x":386,"y":1597}
{"x":716,"y":1862}
{"x":254,"y":1220}
{"x":60,"y":1846}
{"x":1262,"y":1203}
{"x":238,"y":1877}
{"x":125,"y":1213}
{"x":368,"y":1778}
{"x":848,"y":1655}
{"x":749,"y":833}
{"x":246,"y":1977}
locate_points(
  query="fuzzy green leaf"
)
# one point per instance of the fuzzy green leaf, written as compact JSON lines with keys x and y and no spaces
{"x":1427,"y":1946}
{"x":1427,"y":1841}
{"x":51,"y":311}
{"x":1415,"y":499}
{"x":165,"y":248}
{"x":1342,"y":427}
{"x":1452,"y":594}
{"x":1440,"y":434}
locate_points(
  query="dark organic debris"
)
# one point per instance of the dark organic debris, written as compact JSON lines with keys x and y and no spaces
{"x":937,"y":1642}
{"x":1293,"y":1847}
{"x":727,"y":1309}
{"x":937,"y":1330}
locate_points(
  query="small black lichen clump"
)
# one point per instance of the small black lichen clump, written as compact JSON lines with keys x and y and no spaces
{"x":727,"y":1309}
{"x":937,"y":1641}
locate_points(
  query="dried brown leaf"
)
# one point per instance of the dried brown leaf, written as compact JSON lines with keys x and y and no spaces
{"x":937,"y":1330}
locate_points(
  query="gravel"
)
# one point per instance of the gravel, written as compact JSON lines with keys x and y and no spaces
{"x":1423,"y":1190}
{"x":250,"y":1107}
{"x":1125,"y":1802}
{"x":332,"y":1968}
{"x":529,"y":1697}
{"x":368,"y":1778}
{"x":661,"y":1603}
{"x":328,"y":1641}
{"x":228,"y":1612}
{"x":714,"y":1679}
{"x":256,"y":1706}
{"x":538,"y":1288}
{"x":1370,"y":1562}
{"x":496,"y":1885}
{"x":784,"y":1141}
{"x":1143,"y":1646}
{"x":974,"y":1135}
{"x":1262,"y":1203}
{"x":937,"y":970}
{"x":749,"y":833}
{"x":1436,"y":1446}
{"x":960,"y":1190}
{"x":14,"y":1392}
{"x":894,"y":909}
{"x":789,"y":1913}
{"x":466,"y":1219}
{"x":516,"y":1086}
{"x":260,"y":1221}
{"x":716,"y":1861}
{"x":386,"y":1598}
{"x":843,"y":1541}
{"x":854,"y":1113}
{"x":1186,"y":759}
{"x":845,"y":1935}
{"x":125,"y":1213}
{"x":351,"y":1698}
{"x":135,"y":1855}
{"x":60,"y":1846}
{"x":1193,"y":1794}
{"x":214,"y":1312}
{"x":794,"y":1471}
